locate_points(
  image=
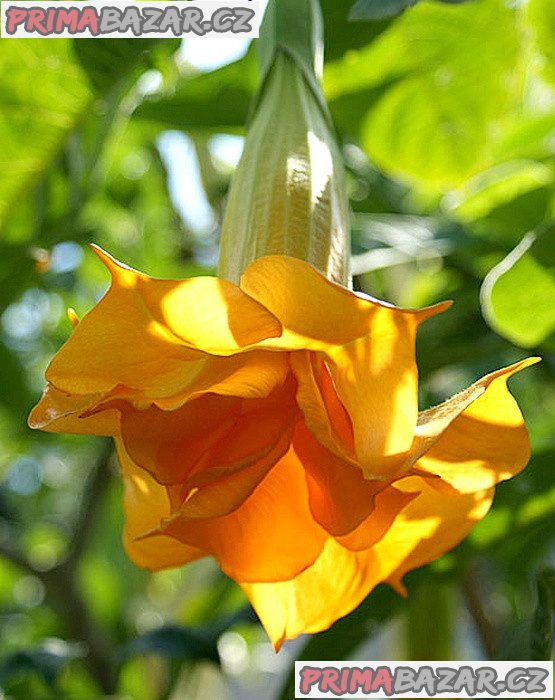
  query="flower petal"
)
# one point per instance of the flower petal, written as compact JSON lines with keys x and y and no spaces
{"x":270,"y":537}
{"x":144,"y":329}
{"x":145,"y":504}
{"x":324,"y":414}
{"x":369,"y":348}
{"x":169,"y":444}
{"x":207,"y":438}
{"x":340,"y":498}
{"x":340,"y":579}
{"x":432,"y":524}
{"x":315,"y":313}
{"x":58,"y":412}
{"x":477,"y":438}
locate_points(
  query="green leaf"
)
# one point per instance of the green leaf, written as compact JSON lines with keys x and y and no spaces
{"x":541,"y":644}
{"x":518,"y":295}
{"x":541,"y":15}
{"x":70,"y":77}
{"x":184,"y":643}
{"x":47,"y":660}
{"x":215,"y":101}
{"x":505,"y":201}
{"x":103,"y":59}
{"x":429,"y":65}
{"x":372,"y":10}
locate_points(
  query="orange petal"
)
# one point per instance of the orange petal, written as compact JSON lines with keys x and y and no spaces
{"x":324,"y":414}
{"x":388,"y":504}
{"x":340,"y":498}
{"x":169,"y":444}
{"x":432,"y":524}
{"x":207,"y":438}
{"x":376,"y":379}
{"x":477,"y":438}
{"x":146,"y":504}
{"x":58,"y":412}
{"x":315,"y":313}
{"x":369,"y":348}
{"x":340,"y":579}
{"x":143,"y":331}
{"x":271,"y":536}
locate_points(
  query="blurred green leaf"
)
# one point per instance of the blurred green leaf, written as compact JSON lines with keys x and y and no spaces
{"x":365,"y":10}
{"x":541,"y":14}
{"x":443,"y":104}
{"x":36,"y":122}
{"x":518,"y":294}
{"x":47,"y":660}
{"x":184,"y":643}
{"x":505,"y":201}
{"x":103,"y":59}
{"x":215,"y":101}
{"x":541,"y":646}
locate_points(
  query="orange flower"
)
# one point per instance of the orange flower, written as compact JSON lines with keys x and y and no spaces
{"x":275,"y":427}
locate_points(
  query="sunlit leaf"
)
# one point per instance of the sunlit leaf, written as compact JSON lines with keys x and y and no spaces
{"x":518,"y":294}
{"x":441,"y":101}
{"x":35,"y":123}
{"x":541,"y":14}
{"x":505,"y":201}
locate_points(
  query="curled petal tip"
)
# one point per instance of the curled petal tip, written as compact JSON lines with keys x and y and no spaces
{"x":73,"y":317}
{"x":115,"y":267}
{"x":429,"y":311}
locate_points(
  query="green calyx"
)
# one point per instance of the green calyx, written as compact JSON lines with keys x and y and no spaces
{"x":288,"y":195}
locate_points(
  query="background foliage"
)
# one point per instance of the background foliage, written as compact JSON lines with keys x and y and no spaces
{"x":446,"y":116}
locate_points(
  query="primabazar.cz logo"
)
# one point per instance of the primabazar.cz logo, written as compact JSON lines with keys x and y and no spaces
{"x":129,"y":19}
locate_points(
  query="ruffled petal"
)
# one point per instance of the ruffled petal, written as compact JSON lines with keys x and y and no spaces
{"x":339,"y":496}
{"x":431,"y":524}
{"x":340,"y":579}
{"x":315,"y":313}
{"x":169,"y":444}
{"x":272,"y":536}
{"x":145,"y":504}
{"x":475,"y":439}
{"x":143,"y":330}
{"x":207,"y":438}
{"x":369,"y":347}
{"x":324,"y":414}
{"x":58,"y":412}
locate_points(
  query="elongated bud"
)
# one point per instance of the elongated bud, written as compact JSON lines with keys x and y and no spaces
{"x":288,"y":195}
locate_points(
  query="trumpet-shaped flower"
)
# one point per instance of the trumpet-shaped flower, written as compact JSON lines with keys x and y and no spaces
{"x":274,"y":426}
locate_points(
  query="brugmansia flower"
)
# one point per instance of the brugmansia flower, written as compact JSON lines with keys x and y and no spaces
{"x":274,"y":426}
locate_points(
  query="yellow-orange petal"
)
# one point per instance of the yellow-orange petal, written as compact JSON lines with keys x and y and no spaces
{"x":143,"y":330}
{"x":340,"y":579}
{"x":340,"y":497}
{"x":323,"y":413}
{"x":315,"y":313}
{"x":431,"y":524}
{"x":271,"y":537}
{"x":477,"y":438}
{"x":145,"y":504}
{"x":249,"y":375}
{"x":58,"y":412}
{"x":207,"y":438}
{"x":169,"y":444}
{"x":369,"y":348}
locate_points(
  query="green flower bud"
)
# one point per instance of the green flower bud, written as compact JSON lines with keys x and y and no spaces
{"x":288,"y":195}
